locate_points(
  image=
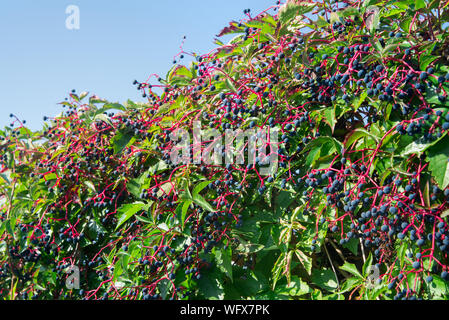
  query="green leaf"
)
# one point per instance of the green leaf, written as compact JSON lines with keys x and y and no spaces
{"x":349,"y":11}
{"x":164,"y":285}
{"x":90,"y":185}
{"x":105,"y":118}
{"x":305,"y":260}
{"x":9,"y":225}
{"x":224,"y":258}
{"x":419,"y":4}
{"x":181,"y":211}
{"x":75,"y":97}
{"x":334,"y":296}
{"x":375,"y":292}
{"x":13,"y":291}
{"x":246,"y":284}
{"x":352,"y":245}
{"x":179,"y":71}
{"x":2,"y":228}
{"x":419,"y":146}
{"x":210,"y":285}
{"x":438,"y":156}
{"x":325,"y":279}
{"x":432,"y":94}
{"x":313,"y":155}
{"x":158,"y":167}
{"x":94,"y":228}
{"x":445,"y":213}
{"x":351,"y":268}
{"x":438,"y":287}
{"x":357,"y":134}
{"x":360,"y":99}
{"x":199,"y":200}
{"x":230,"y":85}
{"x":163,"y":227}
{"x":288,"y":12}
{"x":127,"y":211}
{"x":393,"y":12}
{"x":297,"y":287}
{"x":133,"y":187}
{"x":94,"y":99}
{"x":144,"y":219}
{"x":425,"y":60}
{"x":367,"y":265}
{"x":329,"y":116}
{"x":120,"y":141}
{"x":401,"y":253}
{"x":321,"y":22}
{"x":118,"y":270}
{"x":109,"y":106}
{"x":278,"y":268}
{"x":316,"y":295}
{"x":5,"y":177}
{"x":350,"y":284}
{"x":291,"y":10}
{"x":134,"y":105}
{"x":319,"y":142}
{"x":83,"y":95}
{"x":199,"y":187}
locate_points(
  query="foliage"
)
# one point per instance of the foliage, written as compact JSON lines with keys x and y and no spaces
{"x":358,"y":92}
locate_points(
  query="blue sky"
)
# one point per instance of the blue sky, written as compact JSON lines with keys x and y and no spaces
{"x":41,"y":61}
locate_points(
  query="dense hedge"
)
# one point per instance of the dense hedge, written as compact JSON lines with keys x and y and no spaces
{"x":357,"y":90}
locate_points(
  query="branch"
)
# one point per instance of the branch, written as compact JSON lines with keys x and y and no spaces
{"x":344,"y":273}
{"x":363,"y":250}
{"x":332,"y":265}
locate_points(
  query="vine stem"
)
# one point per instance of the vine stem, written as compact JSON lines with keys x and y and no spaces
{"x":363,"y":250}
{"x":332,"y":265}
{"x":345,"y":274}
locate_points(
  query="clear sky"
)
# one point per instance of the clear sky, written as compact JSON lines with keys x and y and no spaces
{"x":41,"y":60}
